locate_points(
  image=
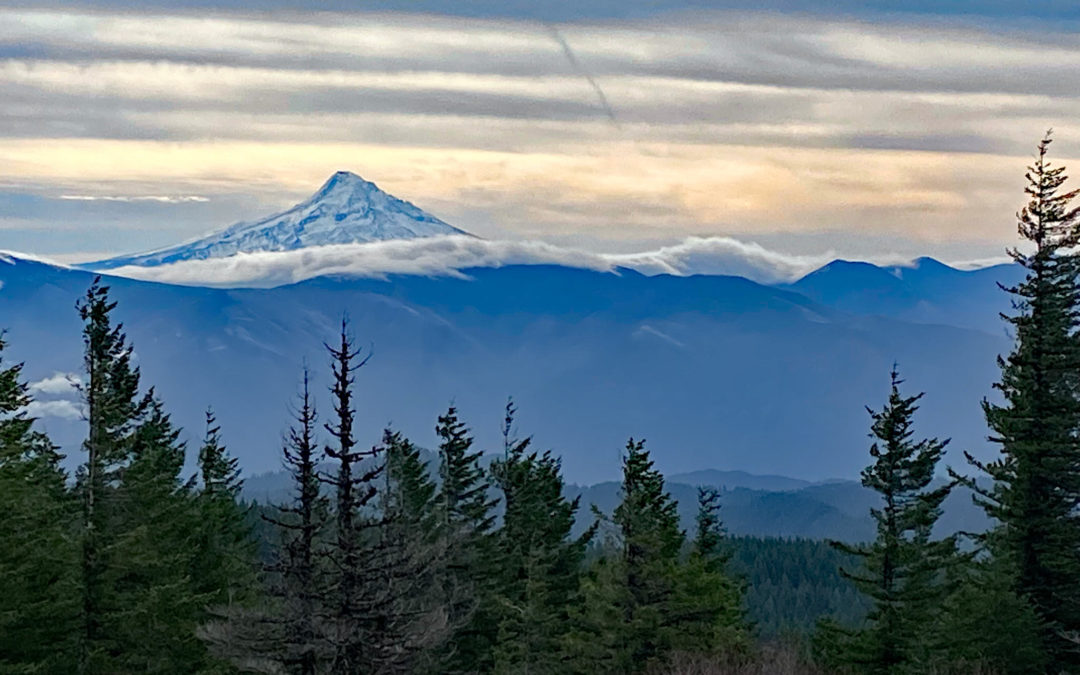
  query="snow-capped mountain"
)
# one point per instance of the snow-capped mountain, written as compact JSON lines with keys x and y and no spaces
{"x":347,"y":209}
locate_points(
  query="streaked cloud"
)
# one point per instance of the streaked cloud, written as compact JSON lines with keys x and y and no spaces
{"x":455,"y":255}
{"x":162,"y":199}
{"x":730,"y":122}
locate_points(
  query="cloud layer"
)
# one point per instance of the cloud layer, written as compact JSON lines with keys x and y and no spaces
{"x":730,"y":122}
{"x":449,"y":256}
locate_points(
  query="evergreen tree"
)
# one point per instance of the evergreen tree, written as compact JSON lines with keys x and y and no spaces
{"x":140,"y":606}
{"x":38,"y":558}
{"x":539,"y":562}
{"x":113,"y":410}
{"x":300,"y":589}
{"x":1036,"y":478}
{"x":354,"y":609}
{"x":902,"y":570}
{"x":648,"y":522}
{"x":153,"y":605}
{"x":415,"y":622}
{"x":707,"y":613}
{"x":224,"y":566}
{"x":466,"y":519}
{"x":287,"y":631}
{"x":627,"y":623}
{"x":987,"y":627}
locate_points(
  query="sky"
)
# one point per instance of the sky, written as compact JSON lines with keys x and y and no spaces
{"x":858,"y":129}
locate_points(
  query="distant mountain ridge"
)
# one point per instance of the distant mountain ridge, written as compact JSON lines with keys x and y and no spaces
{"x":713,"y":370}
{"x":346,"y":210}
{"x":924,"y":291}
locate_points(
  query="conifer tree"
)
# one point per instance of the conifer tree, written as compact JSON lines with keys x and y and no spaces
{"x":293,"y":636}
{"x":539,"y":562}
{"x":113,"y":409}
{"x":985,"y":626}
{"x":287,"y":631}
{"x":415,"y":624}
{"x":707,"y":610}
{"x":903,"y":569}
{"x":648,"y":522}
{"x":1036,"y":479}
{"x":353,"y":608}
{"x":627,"y":623}
{"x":38,"y":556}
{"x":140,"y":606}
{"x":466,"y":519}
{"x":224,"y":566}
{"x":154,"y":605}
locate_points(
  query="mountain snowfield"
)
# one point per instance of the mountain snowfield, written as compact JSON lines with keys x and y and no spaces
{"x":346,"y":210}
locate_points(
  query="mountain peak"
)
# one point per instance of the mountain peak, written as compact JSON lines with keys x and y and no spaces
{"x":346,"y":210}
{"x":344,"y":181}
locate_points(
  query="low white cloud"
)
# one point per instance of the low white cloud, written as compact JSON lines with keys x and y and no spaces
{"x":161,"y":199}
{"x":67,"y":410}
{"x":56,"y":384}
{"x":448,"y":256}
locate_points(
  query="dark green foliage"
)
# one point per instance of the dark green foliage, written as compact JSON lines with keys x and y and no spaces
{"x":414,"y":621}
{"x":291,"y":633}
{"x":113,"y":410}
{"x":1036,"y":489}
{"x":38,"y":555}
{"x":223,"y":564}
{"x":627,"y":616}
{"x":140,"y":605}
{"x":791,"y":583}
{"x":707,"y":609}
{"x":986,"y":624}
{"x":466,"y":518}
{"x":153,"y":606}
{"x":903,"y":570}
{"x":539,"y":561}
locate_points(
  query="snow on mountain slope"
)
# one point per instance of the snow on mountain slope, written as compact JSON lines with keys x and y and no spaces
{"x":347,"y":209}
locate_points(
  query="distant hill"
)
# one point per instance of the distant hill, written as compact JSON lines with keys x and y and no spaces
{"x":834,"y":510}
{"x":711,"y":370}
{"x":926,"y":291}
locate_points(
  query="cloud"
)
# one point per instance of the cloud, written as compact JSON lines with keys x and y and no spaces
{"x":57,"y":384}
{"x":730,"y":122}
{"x":454,"y":255}
{"x":163,"y":199}
{"x":66,"y":410}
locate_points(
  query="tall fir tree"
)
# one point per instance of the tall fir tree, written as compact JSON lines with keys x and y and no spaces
{"x":466,"y":519}
{"x":626,"y":621}
{"x":354,"y":608}
{"x":299,"y":587}
{"x":140,"y":606}
{"x":224,"y":561}
{"x":539,"y":561}
{"x":38,"y":558}
{"x":903,"y":571}
{"x":415,"y":622}
{"x":113,"y":408}
{"x":648,"y":523}
{"x":154,"y":605}
{"x":285,"y":631}
{"x":1036,"y":478}
{"x":707,"y":615}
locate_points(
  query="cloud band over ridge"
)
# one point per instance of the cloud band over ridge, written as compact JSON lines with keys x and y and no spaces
{"x":450,"y":255}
